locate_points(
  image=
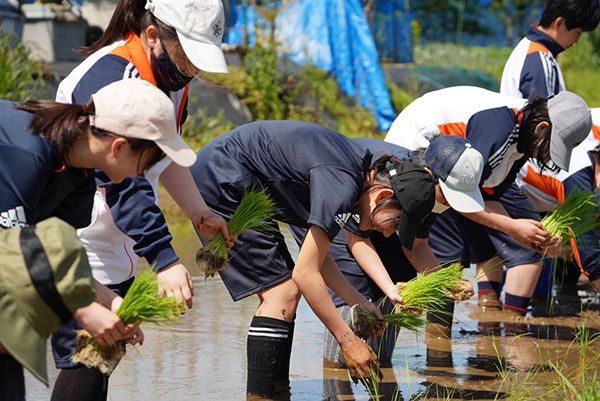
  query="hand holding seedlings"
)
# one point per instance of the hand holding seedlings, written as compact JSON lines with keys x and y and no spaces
{"x":254,"y":212}
{"x":175,"y":281}
{"x":209,"y":225}
{"x":142,"y":303}
{"x":360,"y":358}
{"x":529,"y":232}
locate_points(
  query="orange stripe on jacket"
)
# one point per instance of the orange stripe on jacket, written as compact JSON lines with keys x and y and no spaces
{"x":556,"y":189}
{"x":456,"y":129}
{"x":134,"y":52}
{"x":537,"y":47}
{"x":548,"y":185}
{"x":596,"y":132}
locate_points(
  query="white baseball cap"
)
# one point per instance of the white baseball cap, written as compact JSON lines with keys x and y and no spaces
{"x":199,"y":25}
{"x":134,"y":108}
{"x":459,"y":167}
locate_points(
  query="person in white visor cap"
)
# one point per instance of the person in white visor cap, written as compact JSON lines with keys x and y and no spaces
{"x":165,"y":43}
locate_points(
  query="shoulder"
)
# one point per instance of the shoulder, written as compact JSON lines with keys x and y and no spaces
{"x":103,"y":65}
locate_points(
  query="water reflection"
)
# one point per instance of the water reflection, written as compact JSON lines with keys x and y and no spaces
{"x":204,"y":356}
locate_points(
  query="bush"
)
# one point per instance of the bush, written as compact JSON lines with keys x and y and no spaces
{"x":21,"y":78}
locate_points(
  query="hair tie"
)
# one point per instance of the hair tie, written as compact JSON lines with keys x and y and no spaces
{"x":149,"y":6}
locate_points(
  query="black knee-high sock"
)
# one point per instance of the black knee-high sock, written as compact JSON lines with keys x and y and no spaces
{"x":267,"y":349}
{"x":443,"y":315}
{"x":283,"y":374}
{"x":80,"y":384}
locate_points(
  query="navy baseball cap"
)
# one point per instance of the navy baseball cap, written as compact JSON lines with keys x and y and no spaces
{"x":458,"y":166}
{"x":414,"y":189}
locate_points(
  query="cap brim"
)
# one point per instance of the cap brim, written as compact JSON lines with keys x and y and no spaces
{"x":22,"y":341}
{"x":178,"y":151}
{"x":463,"y":201}
{"x":407,"y":231}
{"x":560,"y":154}
{"x":205,"y":56}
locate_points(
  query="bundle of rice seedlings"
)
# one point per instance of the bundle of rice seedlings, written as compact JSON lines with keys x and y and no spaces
{"x":364,"y":322}
{"x":431,"y":291}
{"x":575,"y":216}
{"x":253,"y":213}
{"x":142,"y":303}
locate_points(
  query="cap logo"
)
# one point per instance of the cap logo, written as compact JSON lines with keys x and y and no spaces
{"x":217,"y":29}
{"x":467,"y":179}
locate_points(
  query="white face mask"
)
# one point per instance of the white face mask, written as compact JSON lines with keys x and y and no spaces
{"x":439,"y":208}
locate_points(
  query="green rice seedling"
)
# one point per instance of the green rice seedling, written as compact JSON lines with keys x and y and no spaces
{"x":576,"y":215}
{"x":253,"y":213}
{"x":142,"y":303}
{"x":365,"y":322}
{"x":431,"y":291}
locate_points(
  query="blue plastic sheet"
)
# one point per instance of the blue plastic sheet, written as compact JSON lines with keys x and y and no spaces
{"x":333,"y":35}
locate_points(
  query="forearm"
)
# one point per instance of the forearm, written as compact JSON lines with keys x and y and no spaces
{"x":368,"y":259}
{"x":422,"y":257}
{"x":494,"y":216}
{"x":104,"y":295}
{"x":313,"y":288}
{"x":179,"y":183}
{"x":310,"y":281}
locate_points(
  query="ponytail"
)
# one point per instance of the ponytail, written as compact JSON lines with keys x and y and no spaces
{"x":126,"y":18}
{"x":58,"y":123}
{"x":130,"y":16}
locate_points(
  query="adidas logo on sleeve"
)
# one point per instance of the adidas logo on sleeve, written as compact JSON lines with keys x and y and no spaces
{"x":13,"y":218}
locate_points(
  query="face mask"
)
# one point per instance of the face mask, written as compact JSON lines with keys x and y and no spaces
{"x":439,"y":208}
{"x":167,"y":74}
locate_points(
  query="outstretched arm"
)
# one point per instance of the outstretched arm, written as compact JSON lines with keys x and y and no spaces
{"x":310,"y":274}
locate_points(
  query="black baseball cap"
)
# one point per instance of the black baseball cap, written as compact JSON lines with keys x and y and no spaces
{"x":414,"y":189}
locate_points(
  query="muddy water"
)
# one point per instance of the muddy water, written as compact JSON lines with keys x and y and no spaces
{"x":203,"y":357}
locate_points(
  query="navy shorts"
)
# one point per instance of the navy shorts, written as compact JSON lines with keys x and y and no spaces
{"x":390,"y":253}
{"x":257,"y":261}
{"x":453,"y":237}
{"x":63,"y":340}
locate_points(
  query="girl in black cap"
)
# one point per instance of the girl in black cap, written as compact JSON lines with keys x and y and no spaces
{"x":321,"y":181}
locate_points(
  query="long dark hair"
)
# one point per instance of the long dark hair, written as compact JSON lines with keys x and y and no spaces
{"x":62,"y":125}
{"x":129,"y":16}
{"x":532,"y":144}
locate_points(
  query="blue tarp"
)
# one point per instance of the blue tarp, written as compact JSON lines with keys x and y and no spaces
{"x":392,"y":30}
{"x":333,"y":35}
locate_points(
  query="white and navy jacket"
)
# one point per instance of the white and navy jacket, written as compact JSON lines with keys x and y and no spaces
{"x":126,"y":219}
{"x":443,"y":111}
{"x":532,"y":69}
{"x":547,"y":189}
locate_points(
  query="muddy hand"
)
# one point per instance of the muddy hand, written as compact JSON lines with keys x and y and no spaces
{"x":360,"y":359}
{"x":551,"y":246}
{"x":465,"y":291}
{"x":210,"y":225}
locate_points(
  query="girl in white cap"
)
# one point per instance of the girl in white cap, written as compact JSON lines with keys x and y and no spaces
{"x":164,"y":42}
{"x":123,"y":130}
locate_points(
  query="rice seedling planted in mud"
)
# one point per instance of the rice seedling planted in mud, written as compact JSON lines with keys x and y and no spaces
{"x":142,"y":303}
{"x":431,"y":291}
{"x":364,"y":322}
{"x":575,"y":216}
{"x":253,"y":213}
